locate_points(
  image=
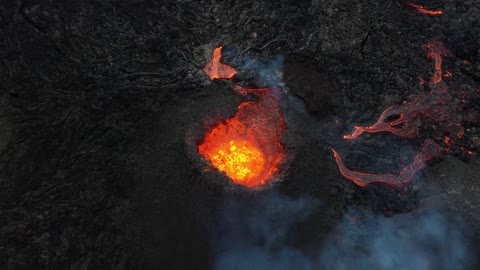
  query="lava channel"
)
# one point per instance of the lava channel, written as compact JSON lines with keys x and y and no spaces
{"x":436,"y":50}
{"x":423,"y":10}
{"x":429,"y":151}
{"x":406,"y":120}
{"x":217,"y":70}
{"x":247,"y":146}
{"x":437,"y":107}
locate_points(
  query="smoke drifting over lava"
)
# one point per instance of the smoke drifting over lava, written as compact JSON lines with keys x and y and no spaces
{"x":258,"y":232}
{"x":267,"y":73}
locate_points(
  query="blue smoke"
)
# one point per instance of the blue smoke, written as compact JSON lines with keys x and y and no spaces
{"x":267,"y":73}
{"x":256,"y":234}
{"x":253,"y":234}
{"x":423,"y":240}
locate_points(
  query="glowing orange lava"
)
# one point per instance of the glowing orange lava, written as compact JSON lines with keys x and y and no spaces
{"x":423,"y":10}
{"x":247,"y":146}
{"x":240,"y":160}
{"x":216,"y":70}
{"x":436,"y":50}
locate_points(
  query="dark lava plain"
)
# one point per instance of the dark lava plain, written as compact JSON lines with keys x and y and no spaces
{"x":102,"y":104}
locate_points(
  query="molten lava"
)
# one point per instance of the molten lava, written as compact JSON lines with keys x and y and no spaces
{"x":437,"y":109}
{"x":247,"y":146}
{"x":216,"y":70}
{"x":436,"y":50}
{"x":404,"y":120}
{"x":240,"y":160}
{"x":429,"y":150}
{"x":423,"y":10}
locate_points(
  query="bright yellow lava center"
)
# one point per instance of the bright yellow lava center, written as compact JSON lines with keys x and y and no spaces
{"x":239,"y":160}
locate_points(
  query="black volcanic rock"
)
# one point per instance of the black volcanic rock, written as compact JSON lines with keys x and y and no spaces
{"x":317,"y":88}
{"x":102,"y":104}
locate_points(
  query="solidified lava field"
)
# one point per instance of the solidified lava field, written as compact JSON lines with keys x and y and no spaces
{"x":104,"y":104}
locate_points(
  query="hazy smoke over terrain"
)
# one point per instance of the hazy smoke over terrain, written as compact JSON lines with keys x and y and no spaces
{"x":267,"y":73}
{"x":425,"y":240}
{"x":253,"y":234}
{"x":256,"y":234}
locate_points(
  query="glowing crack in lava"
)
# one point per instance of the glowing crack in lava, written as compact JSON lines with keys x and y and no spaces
{"x":247,"y":146}
{"x":429,"y":150}
{"x":216,"y":70}
{"x":423,"y":10}
{"x":436,"y":50}
{"x":406,"y":120}
{"x":436,"y":107}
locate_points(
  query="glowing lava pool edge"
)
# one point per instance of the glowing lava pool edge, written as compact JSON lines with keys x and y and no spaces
{"x":247,"y":147}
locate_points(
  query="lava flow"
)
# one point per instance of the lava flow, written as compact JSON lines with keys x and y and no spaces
{"x":217,"y":70}
{"x":406,"y":120}
{"x":423,"y":10}
{"x":436,"y":50}
{"x":429,"y":150}
{"x":247,"y":146}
